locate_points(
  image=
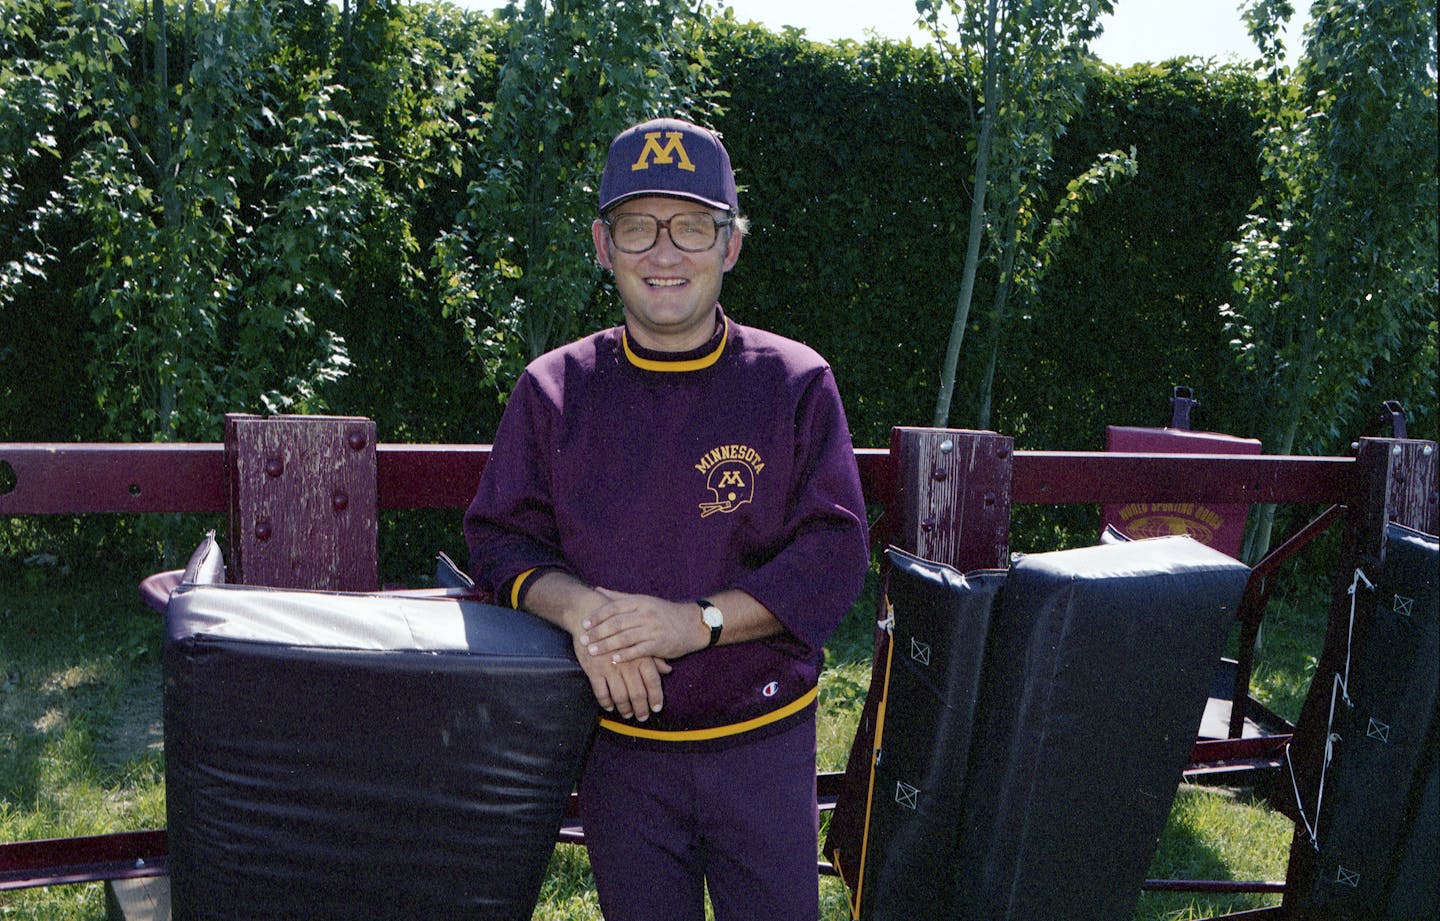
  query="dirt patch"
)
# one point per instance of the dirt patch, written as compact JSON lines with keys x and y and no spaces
{"x":137,"y":727}
{"x":71,"y":679}
{"x":61,"y":695}
{"x":122,"y":709}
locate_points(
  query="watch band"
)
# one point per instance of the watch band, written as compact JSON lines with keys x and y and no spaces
{"x":705,"y":608}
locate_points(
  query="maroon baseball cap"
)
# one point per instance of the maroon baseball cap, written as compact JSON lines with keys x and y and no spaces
{"x":667,"y":156}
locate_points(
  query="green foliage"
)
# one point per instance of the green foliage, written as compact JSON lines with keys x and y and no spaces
{"x":1027,"y":249}
{"x":41,"y":327}
{"x":1126,"y":309}
{"x":849,"y":169}
{"x":1335,"y":299}
{"x":212,"y":198}
{"x":416,"y":79}
{"x":519,"y":264}
{"x":854,"y":172}
{"x":1023,"y":66}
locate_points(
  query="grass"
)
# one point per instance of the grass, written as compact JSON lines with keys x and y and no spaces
{"x":1216,"y":834}
{"x":80,"y":753}
{"x":80,"y":734}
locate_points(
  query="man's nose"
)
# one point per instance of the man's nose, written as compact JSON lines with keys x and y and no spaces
{"x":665,"y":249}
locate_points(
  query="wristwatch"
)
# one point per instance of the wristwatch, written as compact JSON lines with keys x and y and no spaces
{"x":713,"y":619}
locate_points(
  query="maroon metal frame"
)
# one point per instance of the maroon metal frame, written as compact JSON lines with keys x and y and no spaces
{"x":70,"y":479}
{"x":57,"y":861}
{"x":82,"y":479}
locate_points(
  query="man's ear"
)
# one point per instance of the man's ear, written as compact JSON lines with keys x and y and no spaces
{"x":732,"y":249}
{"x":602,"y":243}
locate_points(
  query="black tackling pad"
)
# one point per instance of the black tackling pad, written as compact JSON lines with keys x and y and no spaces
{"x":1035,"y":726}
{"x":1375,"y":851}
{"x":1097,"y":673}
{"x":336,"y":756}
{"x":941,"y":620}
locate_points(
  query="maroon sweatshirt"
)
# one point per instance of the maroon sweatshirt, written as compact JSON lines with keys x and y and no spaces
{"x":679,"y":476}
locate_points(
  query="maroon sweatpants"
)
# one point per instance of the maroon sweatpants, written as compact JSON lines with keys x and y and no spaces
{"x":661,"y":826}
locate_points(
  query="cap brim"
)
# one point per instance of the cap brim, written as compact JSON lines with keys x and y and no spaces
{"x":663,"y":193}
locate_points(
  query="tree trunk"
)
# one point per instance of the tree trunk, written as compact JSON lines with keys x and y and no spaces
{"x":977,"y":221}
{"x":967,"y":284}
{"x":998,"y":315}
{"x":1258,"y":534}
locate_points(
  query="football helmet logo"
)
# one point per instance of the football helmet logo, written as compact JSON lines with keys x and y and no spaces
{"x":731,"y":483}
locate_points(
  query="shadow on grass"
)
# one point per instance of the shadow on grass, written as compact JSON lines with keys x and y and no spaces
{"x":80,"y":709}
{"x":1215,"y":835}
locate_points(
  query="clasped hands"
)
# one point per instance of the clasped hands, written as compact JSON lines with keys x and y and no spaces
{"x":624,"y":644}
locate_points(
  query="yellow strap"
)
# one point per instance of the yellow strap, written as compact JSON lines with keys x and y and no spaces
{"x":716,"y":732}
{"x":870,"y":792}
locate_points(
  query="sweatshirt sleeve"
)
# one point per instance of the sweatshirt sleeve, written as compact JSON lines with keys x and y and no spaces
{"x":510,"y":524}
{"x":824,"y":550}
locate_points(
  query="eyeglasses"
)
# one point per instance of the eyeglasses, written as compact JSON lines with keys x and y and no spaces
{"x":690,"y":231}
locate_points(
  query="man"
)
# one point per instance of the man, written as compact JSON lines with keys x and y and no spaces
{"x":680,"y":494}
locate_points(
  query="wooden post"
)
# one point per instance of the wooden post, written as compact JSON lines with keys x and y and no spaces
{"x":953,"y":493}
{"x":1397,"y":482}
{"x":138,"y":899}
{"x":302,"y":502}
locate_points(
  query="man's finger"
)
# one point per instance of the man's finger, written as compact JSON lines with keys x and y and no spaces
{"x":639,"y":694}
{"x":620,"y":692}
{"x":602,"y":693}
{"x":650,"y":675}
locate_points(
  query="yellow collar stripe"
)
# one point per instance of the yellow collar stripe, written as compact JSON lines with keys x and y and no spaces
{"x":716,"y":732}
{"x":694,"y":364}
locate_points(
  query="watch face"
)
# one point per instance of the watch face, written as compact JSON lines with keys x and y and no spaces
{"x":712,"y":617}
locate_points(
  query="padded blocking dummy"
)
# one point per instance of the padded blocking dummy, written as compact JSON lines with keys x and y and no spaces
{"x":1097,"y":672}
{"x":388,"y":755}
{"x":1367,"y":839}
{"x":1034,"y":727}
{"x":932,"y":685}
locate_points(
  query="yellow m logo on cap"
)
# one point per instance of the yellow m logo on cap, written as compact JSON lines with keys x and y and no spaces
{"x":665,"y":156}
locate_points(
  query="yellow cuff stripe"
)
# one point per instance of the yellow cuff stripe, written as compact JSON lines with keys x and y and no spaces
{"x":515,"y":587}
{"x":716,"y":732}
{"x":694,"y":364}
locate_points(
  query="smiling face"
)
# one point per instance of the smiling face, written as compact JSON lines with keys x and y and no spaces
{"x":669,"y":294}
